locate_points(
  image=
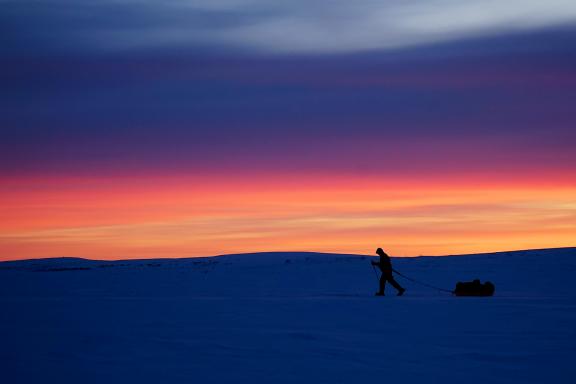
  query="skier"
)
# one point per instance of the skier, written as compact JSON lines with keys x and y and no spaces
{"x":386,"y":267}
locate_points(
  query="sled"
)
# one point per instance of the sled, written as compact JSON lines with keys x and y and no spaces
{"x":474,"y":288}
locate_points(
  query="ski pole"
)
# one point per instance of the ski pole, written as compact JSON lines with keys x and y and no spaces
{"x":376,"y":273}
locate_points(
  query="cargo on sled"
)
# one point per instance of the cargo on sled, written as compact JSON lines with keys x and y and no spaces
{"x":474,"y":288}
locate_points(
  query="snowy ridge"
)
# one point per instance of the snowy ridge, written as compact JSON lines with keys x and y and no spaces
{"x":547,"y":272}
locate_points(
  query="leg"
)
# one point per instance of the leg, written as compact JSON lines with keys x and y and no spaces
{"x":395,"y":284}
{"x":382,"y":284}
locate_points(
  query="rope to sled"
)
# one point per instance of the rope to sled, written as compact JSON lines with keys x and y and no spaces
{"x":421,"y":283}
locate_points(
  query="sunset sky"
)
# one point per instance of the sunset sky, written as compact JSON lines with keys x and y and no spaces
{"x":136,"y":129}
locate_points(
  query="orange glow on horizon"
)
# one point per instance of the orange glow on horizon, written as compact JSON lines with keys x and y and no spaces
{"x":138,"y":217}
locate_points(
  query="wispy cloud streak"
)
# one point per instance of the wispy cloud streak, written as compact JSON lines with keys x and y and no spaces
{"x":310,"y":27}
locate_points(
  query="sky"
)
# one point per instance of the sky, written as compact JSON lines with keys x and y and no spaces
{"x":137,"y":129}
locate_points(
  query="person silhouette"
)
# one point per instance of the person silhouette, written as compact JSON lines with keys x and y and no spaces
{"x":385,"y":266}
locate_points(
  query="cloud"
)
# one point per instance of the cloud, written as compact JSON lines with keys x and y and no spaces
{"x":298,"y":26}
{"x":358,"y":26}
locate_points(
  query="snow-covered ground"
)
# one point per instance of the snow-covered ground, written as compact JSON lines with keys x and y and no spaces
{"x":287,"y":318}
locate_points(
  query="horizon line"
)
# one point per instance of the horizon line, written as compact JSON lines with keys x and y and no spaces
{"x":282,"y":252}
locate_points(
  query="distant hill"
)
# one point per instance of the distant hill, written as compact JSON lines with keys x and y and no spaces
{"x":545,"y":272}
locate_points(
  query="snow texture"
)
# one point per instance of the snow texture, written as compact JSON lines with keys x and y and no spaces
{"x":287,"y":318}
